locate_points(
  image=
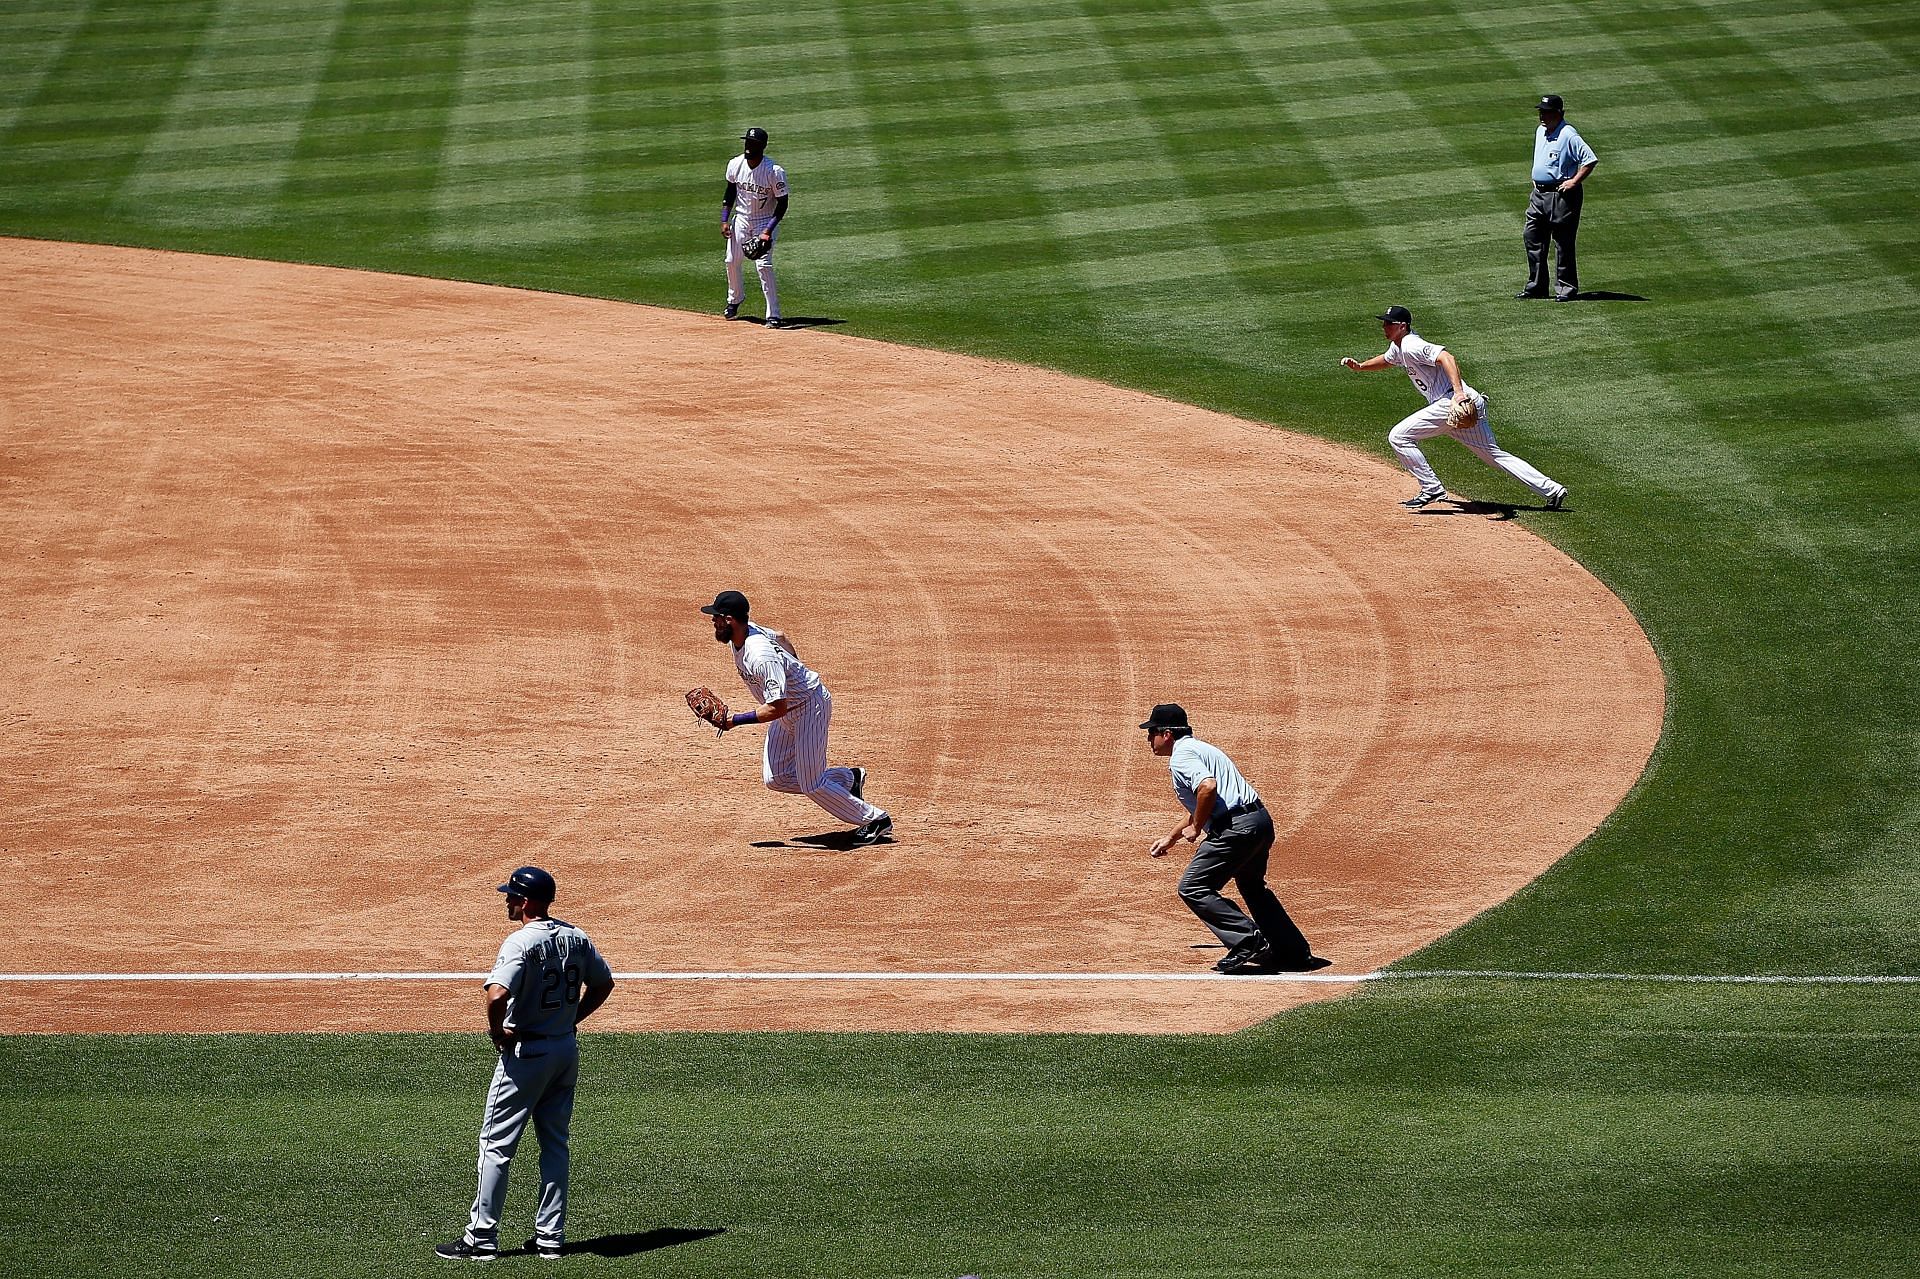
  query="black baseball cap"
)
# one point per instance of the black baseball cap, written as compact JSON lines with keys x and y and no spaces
{"x":1551,"y":102}
{"x":532,"y":883}
{"x":727,"y":604}
{"x":1167,"y":715}
{"x":754,"y":137}
{"x":1396,"y":315}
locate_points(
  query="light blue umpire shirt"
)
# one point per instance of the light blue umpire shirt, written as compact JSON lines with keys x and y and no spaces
{"x":1193,"y":762}
{"x":1561,"y":155}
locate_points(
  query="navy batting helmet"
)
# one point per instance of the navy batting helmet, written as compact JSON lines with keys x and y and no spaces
{"x":532,"y":883}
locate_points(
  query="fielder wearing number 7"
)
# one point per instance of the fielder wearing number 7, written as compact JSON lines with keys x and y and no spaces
{"x":1453,"y":408}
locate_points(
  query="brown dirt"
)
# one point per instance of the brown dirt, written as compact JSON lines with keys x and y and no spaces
{"x":332,"y":596}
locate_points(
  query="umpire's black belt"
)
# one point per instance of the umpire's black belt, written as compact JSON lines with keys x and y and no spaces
{"x":1225,"y":817}
{"x":1547,"y":186}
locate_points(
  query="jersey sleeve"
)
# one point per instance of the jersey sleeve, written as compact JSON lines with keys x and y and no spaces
{"x":1392,"y":356}
{"x":1426,"y":352}
{"x":779,"y":181}
{"x":509,"y":964}
{"x":594,"y":968}
{"x":1582,"y":153}
{"x":1190,"y":769}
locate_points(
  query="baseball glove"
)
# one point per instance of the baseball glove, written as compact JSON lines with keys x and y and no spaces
{"x":757,"y":247}
{"x":1463,"y":413}
{"x":702,"y":702}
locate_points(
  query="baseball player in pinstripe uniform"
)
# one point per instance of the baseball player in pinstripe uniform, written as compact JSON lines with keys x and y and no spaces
{"x":755,"y":202}
{"x":1436,"y":375}
{"x":796,"y":708}
{"x":547,"y":979}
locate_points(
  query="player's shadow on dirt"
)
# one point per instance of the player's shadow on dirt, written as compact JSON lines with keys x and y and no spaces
{"x":832,"y":841}
{"x":631,"y":1245}
{"x":808,"y":321}
{"x":1493,"y":510}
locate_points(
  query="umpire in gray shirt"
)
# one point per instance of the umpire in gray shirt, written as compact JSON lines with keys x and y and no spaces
{"x":1238,"y":831}
{"x":1561,"y":162}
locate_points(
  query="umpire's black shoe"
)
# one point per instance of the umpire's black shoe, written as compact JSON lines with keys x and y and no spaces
{"x":1248,"y":962}
{"x":461,"y":1250}
{"x":1311,"y":964}
{"x":874,"y":832}
{"x":1528,"y":295}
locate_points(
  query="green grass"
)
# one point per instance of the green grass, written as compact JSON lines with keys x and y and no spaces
{"x":1206,"y":201}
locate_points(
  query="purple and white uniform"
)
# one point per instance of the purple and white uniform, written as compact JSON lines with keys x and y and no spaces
{"x":796,"y":754}
{"x":1419,"y":359}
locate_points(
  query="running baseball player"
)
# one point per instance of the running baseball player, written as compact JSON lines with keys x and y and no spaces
{"x":1453,"y":408}
{"x":547,"y":979}
{"x":796,"y":708}
{"x":750,"y":219}
{"x":1221,"y":805}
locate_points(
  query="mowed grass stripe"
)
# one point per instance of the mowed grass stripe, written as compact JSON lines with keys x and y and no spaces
{"x":227,"y":142}
{"x":36,"y":38}
{"x":512,"y":162}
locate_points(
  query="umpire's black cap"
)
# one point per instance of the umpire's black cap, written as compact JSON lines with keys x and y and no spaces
{"x":532,"y":883}
{"x":1551,"y":102}
{"x":1167,"y":715}
{"x":727,"y":604}
{"x":755,"y":138}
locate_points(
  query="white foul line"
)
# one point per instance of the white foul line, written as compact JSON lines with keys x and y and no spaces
{"x":1458,"y":974}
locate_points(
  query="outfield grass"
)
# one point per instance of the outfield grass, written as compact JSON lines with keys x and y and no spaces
{"x":1206,"y":201}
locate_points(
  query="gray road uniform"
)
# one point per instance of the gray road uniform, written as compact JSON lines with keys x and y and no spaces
{"x":1238,"y":837}
{"x":543,"y":966}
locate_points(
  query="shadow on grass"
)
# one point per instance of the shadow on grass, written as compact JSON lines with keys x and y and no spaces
{"x":630,"y":1245}
{"x":1601,"y":295}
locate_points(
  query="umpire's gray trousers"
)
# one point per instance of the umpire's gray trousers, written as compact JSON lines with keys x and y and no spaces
{"x":1237,"y":850}
{"x":1553,"y":216}
{"x":535,"y":1082}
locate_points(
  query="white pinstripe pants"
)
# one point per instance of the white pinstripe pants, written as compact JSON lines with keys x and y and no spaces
{"x":796,"y":761}
{"x":1432,"y":420}
{"x":744,"y":230}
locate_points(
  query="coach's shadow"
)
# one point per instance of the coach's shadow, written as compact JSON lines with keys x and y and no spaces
{"x":832,"y":841}
{"x":1602,"y":295}
{"x":631,"y":1245}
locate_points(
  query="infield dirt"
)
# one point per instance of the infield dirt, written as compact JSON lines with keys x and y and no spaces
{"x":333,"y":596}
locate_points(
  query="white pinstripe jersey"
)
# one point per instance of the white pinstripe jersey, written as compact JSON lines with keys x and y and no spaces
{"x":769,"y":668}
{"x":757,"y":188}
{"x":1421,"y":361}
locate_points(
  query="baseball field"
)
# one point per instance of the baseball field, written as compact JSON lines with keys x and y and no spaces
{"x":1686,"y":1043}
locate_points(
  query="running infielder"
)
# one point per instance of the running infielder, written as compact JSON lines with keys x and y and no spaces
{"x":547,"y":979}
{"x":756,"y":201}
{"x":1436,"y":375}
{"x":796,"y":707}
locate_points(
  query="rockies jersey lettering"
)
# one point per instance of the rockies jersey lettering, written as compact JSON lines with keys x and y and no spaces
{"x":769,"y":668}
{"x":1193,"y":762}
{"x":543,"y":966}
{"x":1421,"y":361}
{"x":758,"y":188}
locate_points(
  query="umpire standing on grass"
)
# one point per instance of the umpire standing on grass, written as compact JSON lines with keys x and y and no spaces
{"x":547,"y":980}
{"x":1239,"y":835}
{"x":1561,"y":162}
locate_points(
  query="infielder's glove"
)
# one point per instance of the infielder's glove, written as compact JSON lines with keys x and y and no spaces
{"x":758,"y":247}
{"x":702,"y":702}
{"x":1462,"y":413}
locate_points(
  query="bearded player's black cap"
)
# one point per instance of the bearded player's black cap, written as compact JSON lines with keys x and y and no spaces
{"x":727,"y":604}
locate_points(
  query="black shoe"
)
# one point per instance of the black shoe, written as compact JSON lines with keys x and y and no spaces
{"x":544,"y":1250}
{"x":1419,"y":500}
{"x":1557,"y":501}
{"x":461,"y":1250}
{"x":875,"y":831}
{"x":775,"y":322}
{"x":1257,"y":961}
{"x":1528,"y":295}
{"x":1311,"y":964}
{"x":732,"y":312}
{"x":1567,"y":297}
{"x":859,"y":788}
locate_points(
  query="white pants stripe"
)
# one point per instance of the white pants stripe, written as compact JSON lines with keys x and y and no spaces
{"x":796,"y":762}
{"x":1478,"y":438}
{"x":743,"y":230}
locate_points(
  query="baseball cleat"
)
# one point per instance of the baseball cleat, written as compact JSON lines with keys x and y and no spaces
{"x":1248,"y":963}
{"x":880,"y":828}
{"x":1311,"y":964}
{"x":461,"y":1250}
{"x":732,"y":312}
{"x":544,"y":1250}
{"x":775,"y":322}
{"x":1419,"y":500}
{"x":1557,"y":501}
{"x":1528,"y":295}
{"x":859,"y":788}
